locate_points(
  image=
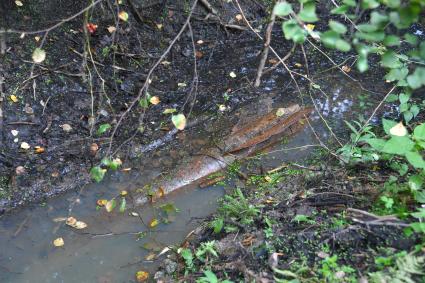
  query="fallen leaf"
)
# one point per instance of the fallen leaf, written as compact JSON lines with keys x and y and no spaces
{"x":59,"y":219}
{"x":346,"y":69}
{"x":14,"y":98}
{"x":15,"y":140}
{"x":232,"y":74}
{"x":123,"y":193}
{"x":110,"y":205}
{"x":94,"y":148}
{"x":59,"y":242}
{"x":200,"y":42}
{"x":80,"y":225}
{"x":142,"y":276}
{"x":160,"y":193}
{"x":25,"y":145}
{"x":198,"y":54}
{"x":39,"y":149}
{"x":280,"y":112}
{"x":19,"y":3}
{"x":239,"y":17}
{"x":181,"y":84}
{"x":38,"y":55}
{"x":111,"y":29}
{"x":154,"y":100}
{"x":165,"y":63}
{"x":169,"y":111}
{"x":71,"y":221}
{"x":101,"y":202}
{"x":153,"y":223}
{"x":398,"y":130}
{"x":150,"y":257}
{"x":14,"y":132}
{"x":126,"y":169}
{"x":222,"y":107}
{"x":159,"y":26}
{"x":179,"y":121}
{"x":123,"y":15}
{"x":134,"y":214}
{"x":298,"y":65}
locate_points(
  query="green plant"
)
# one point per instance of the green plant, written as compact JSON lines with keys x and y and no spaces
{"x":206,"y":248}
{"x":238,"y":208}
{"x":301,"y":218}
{"x":210,"y":277}
{"x":333,"y":272}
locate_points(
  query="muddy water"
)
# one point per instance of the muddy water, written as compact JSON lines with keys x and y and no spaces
{"x":110,"y":249}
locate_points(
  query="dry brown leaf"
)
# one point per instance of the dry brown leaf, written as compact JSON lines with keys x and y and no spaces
{"x":39,"y":149}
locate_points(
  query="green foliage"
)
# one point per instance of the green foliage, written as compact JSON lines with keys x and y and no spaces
{"x":103,"y":129}
{"x":333,"y":272}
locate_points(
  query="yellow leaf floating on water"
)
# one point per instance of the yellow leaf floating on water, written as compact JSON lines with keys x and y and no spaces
{"x":142,"y":276}
{"x":110,"y":205}
{"x":14,"y":98}
{"x":154,"y":222}
{"x":101,"y":202}
{"x":74,"y":223}
{"x":399,"y":130}
{"x":59,"y":242}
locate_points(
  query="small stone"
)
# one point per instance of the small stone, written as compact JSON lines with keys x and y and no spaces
{"x":170,"y":266}
{"x":159,"y":275}
{"x":28,"y":109}
{"x":25,"y":145}
{"x":66,"y":127}
{"x":20,"y":170}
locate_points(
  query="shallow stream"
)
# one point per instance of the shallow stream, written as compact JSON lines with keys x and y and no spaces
{"x":111,"y":248}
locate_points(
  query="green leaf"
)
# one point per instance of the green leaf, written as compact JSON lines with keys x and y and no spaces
{"x":282,"y":9}
{"x":376,"y":144}
{"x":417,"y":79}
{"x":123,"y":205}
{"x":342,"y":45}
{"x":375,"y":36}
{"x":352,"y":3}
{"x":378,"y":19}
{"x":143,"y":102}
{"x":419,"y":214}
{"x":397,"y":74}
{"x":211,"y":277}
{"x":337,"y":27}
{"x":362,"y":64}
{"x":387,"y":125}
{"x":415,"y":110}
{"x":370,"y":4}
{"x":408,"y":116}
{"x":415,"y":182}
{"x":293,"y":31}
{"x":390,"y":60}
{"x":329,"y":38}
{"x":308,"y":13}
{"x":97,"y":173}
{"x":419,"y":196}
{"x":404,"y":97}
{"x":392,"y":98}
{"x":415,"y":159}
{"x":398,"y":145}
{"x":179,"y":121}
{"x":103,"y":128}
{"x":419,"y":132}
{"x":418,"y":227}
{"x":391,"y":40}
{"x":411,"y":39}
{"x":392,"y":3}
{"x":340,"y":10}
{"x":422,"y":50}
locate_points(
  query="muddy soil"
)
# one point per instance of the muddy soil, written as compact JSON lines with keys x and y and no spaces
{"x":58,"y":106}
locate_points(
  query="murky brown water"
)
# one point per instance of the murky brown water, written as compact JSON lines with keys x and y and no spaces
{"x":109,"y":249}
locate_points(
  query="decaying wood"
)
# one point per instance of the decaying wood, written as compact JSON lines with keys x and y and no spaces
{"x":241,"y":143}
